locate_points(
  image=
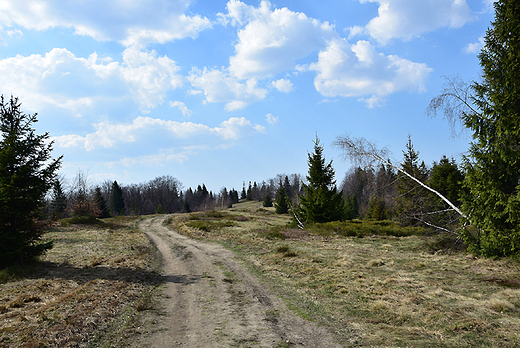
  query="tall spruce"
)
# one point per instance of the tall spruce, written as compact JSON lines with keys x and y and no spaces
{"x":321,"y":202}
{"x":27,"y":172}
{"x":492,"y":166}
{"x":117,"y":202}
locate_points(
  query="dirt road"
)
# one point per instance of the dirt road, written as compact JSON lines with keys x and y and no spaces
{"x":210,"y":300}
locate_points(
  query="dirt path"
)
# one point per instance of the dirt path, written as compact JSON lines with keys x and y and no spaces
{"x":210,"y":300}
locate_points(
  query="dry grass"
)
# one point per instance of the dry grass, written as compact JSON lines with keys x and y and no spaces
{"x":379,"y":291}
{"x":86,"y":291}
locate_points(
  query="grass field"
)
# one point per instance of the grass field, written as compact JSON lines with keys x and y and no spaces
{"x":370,"y":289}
{"x":88,"y":290}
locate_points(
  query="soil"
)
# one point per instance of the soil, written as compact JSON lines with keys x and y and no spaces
{"x":211,"y":300}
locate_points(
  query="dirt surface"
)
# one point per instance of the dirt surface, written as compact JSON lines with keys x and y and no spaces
{"x":211,"y":300}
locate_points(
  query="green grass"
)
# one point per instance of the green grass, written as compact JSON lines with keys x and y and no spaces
{"x":376,"y":283}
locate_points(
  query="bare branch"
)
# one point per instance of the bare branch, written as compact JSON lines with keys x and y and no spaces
{"x":455,"y":100}
{"x":361,"y":150}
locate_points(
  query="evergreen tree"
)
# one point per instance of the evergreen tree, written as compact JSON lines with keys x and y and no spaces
{"x":445,"y":178}
{"x":59,"y":201}
{"x":27,"y":172}
{"x":101,"y":204}
{"x":267,"y":201}
{"x":243,"y":195}
{"x":282,"y":200}
{"x":321,"y":201}
{"x":493,"y":167}
{"x":117,"y":202}
{"x":412,"y":198}
{"x":186,"y":207}
{"x":160,"y":209}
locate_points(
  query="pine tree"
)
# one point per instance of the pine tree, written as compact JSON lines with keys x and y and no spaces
{"x":27,"y":172}
{"x":493,"y":167}
{"x":117,"y":202}
{"x":321,"y":201}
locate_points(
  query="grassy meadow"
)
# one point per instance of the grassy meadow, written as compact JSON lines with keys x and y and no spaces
{"x":372,"y":284}
{"x":89,"y":290}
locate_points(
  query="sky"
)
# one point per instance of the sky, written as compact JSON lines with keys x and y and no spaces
{"x":222,"y":92}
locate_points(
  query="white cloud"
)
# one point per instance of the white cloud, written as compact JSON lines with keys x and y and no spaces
{"x":283,"y":85}
{"x":182,"y":108}
{"x":271,"y":119}
{"x":358,"y":70}
{"x":133,"y":23}
{"x":272,"y":40}
{"x":61,"y":79}
{"x":109,"y":135}
{"x":218,"y":86}
{"x":406,"y":19}
{"x":473,"y":48}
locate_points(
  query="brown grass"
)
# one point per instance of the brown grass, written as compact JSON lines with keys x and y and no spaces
{"x":379,"y":291}
{"x":93,"y":277}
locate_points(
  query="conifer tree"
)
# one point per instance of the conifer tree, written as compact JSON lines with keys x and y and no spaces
{"x":117,"y":202}
{"x":101,"y":204}
{"x":493,"y":167}
{"x":267,"y":201}
{"x":321,"y":201}
{"x":412,"y":197}
{"x":59,"y":201}
{"x":282,"y":200}
{"x":27,"y":172}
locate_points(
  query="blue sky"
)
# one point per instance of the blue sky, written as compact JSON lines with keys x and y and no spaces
{"x":221,"y":92}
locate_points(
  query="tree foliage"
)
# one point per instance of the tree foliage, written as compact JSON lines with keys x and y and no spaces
{"x":281,"y":204}
{"x":117,"y":202}
{"x":490,"y":110}
{"x":412,"y":200}
{"x":321,"y":202}
{"x":27,"y":172}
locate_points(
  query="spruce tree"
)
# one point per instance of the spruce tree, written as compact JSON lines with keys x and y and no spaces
{"x":101,"y":204}
{"x":27,"y":172}
{"x":321,"y":201}
{"x":117,"y":201}
{"x":267,"y":201}
{"x":282,"y":200}
{"x":492,"y":166}
{"x":58,"y":205}
{"x":412,"y":197}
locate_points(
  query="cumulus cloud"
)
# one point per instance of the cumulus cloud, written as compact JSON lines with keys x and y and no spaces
{"x":473,"y":48}
{"x":272,"y":39}
{"x":219,"y":86}
{"x":357,"y":70}
{"x":108,"y":135}
{"x":61,"y":79}
{"x":406,"y":19}
{"x":133,"y":23}
{"x":283,"y":85}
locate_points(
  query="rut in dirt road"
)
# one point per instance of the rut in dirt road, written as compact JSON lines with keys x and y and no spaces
{"x":210,"y":300}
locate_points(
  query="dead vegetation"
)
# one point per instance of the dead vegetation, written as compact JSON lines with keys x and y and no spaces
{"x":87,"y":291}
{"x":376,"y":290}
